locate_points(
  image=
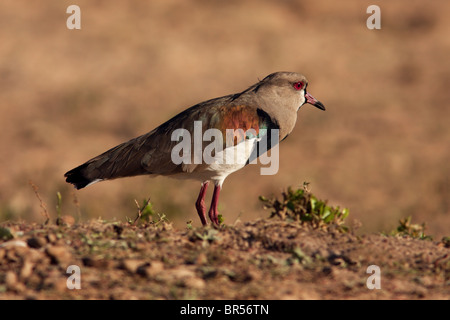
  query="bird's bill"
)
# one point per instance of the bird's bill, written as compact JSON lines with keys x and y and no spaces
{"x":311,"y":100}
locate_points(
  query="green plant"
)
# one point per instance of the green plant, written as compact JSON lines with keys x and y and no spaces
{"x":446,"y":242}
{"x":58,"y":204}
{"x":207,"y":236}
{"x":5,"y":234}
{"x":406,"y":228}
{"x":146,"y":213}
{"x":301,"y":205}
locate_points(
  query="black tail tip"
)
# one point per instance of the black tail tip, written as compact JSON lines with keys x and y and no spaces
{"x":76,"y":177}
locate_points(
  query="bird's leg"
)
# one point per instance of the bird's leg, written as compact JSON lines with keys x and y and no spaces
{"x":213,"y":212}
{"x":200,"y":204}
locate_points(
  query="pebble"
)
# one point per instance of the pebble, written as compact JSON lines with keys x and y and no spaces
{"x":65,"y":220}
{"x":36,"y":242}
{"x":59,"y":255}
{"x":27,"y":269}
{"x":12,"y":282}
{"x":132,"y":265}
{"x":150,"y":269}
{"x":13,"y":243}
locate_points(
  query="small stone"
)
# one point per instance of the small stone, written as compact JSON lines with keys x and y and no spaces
{"x":132,"y":265}
{"x":22,"y":252}
{"x":182,"y":273}
{"x":202,"y":259}
{"x":150,"y":270}
{"x":13,"y":243}
{"x":182,"y":277}
{"x":55,"y":282}
{"x":36,"y":242}
{"x":16,"y":253}
{"x":95,"y":262}
{"x":242,"y":276}
{"x":118,"y":229}
{"x":12,"y":282}
{"x":26,"y":270}
{"x":51,"y":237}
{"x":65,"y":220}
{"x":10,"y":279}
{"x":194,"y":282}
{"x":59,"y":255}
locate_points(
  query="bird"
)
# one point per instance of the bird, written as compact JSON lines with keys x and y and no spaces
{"x":269,"y":104}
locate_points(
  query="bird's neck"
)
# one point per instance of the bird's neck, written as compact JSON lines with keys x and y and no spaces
{"x":284,"y":115}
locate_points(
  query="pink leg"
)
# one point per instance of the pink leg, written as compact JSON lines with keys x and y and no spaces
{"x":213,"y":212}
{"x":200,"y":204}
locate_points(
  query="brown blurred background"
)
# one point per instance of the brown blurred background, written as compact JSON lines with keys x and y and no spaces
{"x":381,"y":148}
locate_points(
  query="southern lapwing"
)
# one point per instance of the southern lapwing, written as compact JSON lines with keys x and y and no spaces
{"x":268,"y":106}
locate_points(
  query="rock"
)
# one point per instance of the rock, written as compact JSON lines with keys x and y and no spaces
{"x":150,"y":269}
{"x":65,"y":220}
{"x":118,"y":229}
{"x":13,"y":243}
{"x":27,"y":269}
{"x":59,"y":255}
{"x":184,"y":277}
{"x":181,"y":276}
{"x":10,"y":279}
{"x":51,"y":237}
{"x":37,"y":242}
{"x":240,"y":276}
{"x":131,"y":265}
{"x":201,"y":259}
{"x":16,"y":253}
{"x":96,"y":262}
{"x":55,"y":281}
{"x":12,"y":282}
{"x":195,"y":283}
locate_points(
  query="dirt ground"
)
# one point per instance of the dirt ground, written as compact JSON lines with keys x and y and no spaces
{"x":263,"y":259}
{"x":381,"y":149}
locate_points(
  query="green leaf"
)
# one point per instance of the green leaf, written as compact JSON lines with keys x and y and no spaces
{"x":345,"y":213}
{"x":313,"y":202}
{"x":327,"y":216}
{"x":290,"y":205}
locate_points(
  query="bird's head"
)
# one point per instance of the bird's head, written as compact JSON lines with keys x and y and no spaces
{"x":287,"y":86}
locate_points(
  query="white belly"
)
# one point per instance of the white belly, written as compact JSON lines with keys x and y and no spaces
{"x":223,"y":163}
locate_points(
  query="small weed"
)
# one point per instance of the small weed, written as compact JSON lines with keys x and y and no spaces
{"x":42,"y":203}
{"x":299,"y":256}
{"x":5,"y":234}
{"x":207,"y":236}
{"x":145,"y":212}
{"x":58,"y":204}
{"x":301,"y":205}
{"x":446,"y":242}
{"x":58,"y":209}
{"x":406,"y":228}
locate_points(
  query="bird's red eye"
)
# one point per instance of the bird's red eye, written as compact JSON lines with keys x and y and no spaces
{"x":299,"y":85}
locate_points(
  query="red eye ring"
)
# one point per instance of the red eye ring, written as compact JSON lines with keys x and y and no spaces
{"x":299,"y":85}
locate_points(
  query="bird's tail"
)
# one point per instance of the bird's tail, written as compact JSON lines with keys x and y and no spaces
{"x":79,"y":177}
{"x":114,"y":163}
